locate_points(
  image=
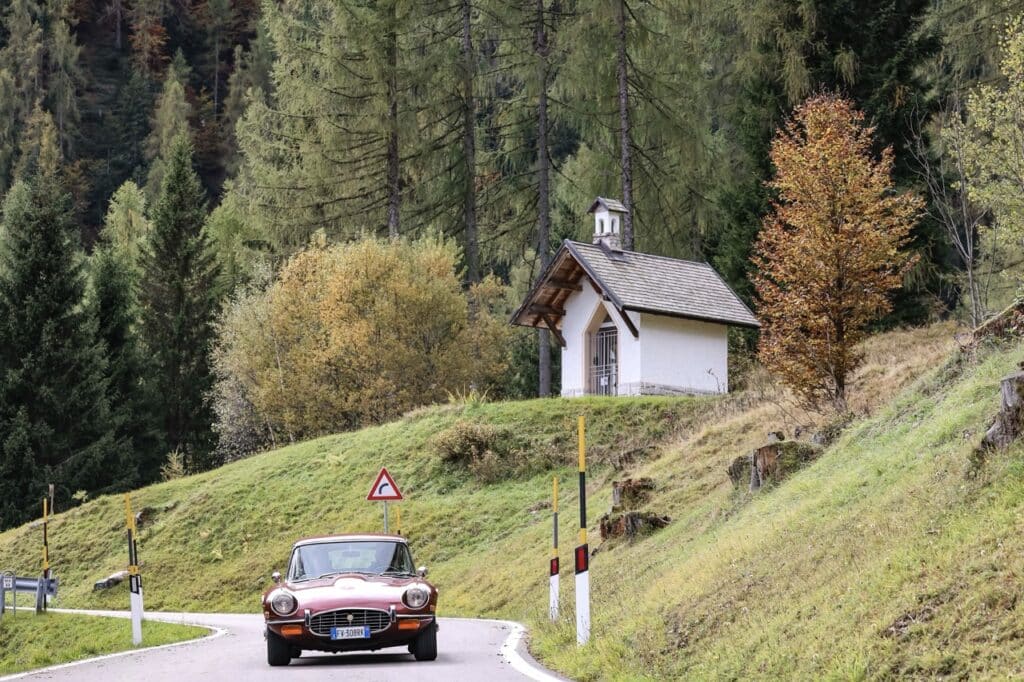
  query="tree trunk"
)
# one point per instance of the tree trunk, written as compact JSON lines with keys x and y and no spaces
{"x":216,"y":75}
{"x":624,"y":133}
{"x":469,"y":145}
{"x":394,"y":190}
{"x":543,"y":198}
{"x":118,"y":18}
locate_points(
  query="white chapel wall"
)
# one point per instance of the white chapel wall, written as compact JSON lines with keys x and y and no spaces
{"x":682,"y":356}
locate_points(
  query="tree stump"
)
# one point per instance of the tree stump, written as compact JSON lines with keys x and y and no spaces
{"x":631,"y":493}
{"x":773,"y":461}
{"x":631,"y":524}
{"x":1007,"y":425}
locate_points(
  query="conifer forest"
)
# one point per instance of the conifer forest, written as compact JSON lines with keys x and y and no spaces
{"x":181,"y":177}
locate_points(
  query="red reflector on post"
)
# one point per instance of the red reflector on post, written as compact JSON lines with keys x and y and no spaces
{"x":582,"y":558}
{"x":554,"y":566}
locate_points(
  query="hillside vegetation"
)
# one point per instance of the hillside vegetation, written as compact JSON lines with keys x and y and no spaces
{"x":892,"y":555}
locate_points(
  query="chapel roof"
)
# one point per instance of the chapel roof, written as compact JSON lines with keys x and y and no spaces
{"x":639,"y":282}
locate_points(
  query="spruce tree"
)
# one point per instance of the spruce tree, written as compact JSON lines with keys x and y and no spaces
{"x":128,"y":374}
{"x":54,"y":415}
{"x":132,"y":121}
{"x":178,"y":303}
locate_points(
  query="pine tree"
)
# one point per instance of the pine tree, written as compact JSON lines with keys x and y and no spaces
{"x":178,"y":304}
{"x":54,"y":414}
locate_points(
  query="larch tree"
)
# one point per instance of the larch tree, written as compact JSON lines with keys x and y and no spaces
{"x":176,"y":293}
{"x":64,"y":73}
{"x":170,"y":121}
{"x":21,"y":74}
{"x":830,"y":253}
{"x":334,"y":147}
{"x":126,"y":229}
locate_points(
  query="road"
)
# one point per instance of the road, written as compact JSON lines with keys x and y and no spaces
{"x":467,"y":650}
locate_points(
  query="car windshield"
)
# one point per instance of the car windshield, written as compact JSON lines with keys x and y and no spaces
{"x":372,"y":557}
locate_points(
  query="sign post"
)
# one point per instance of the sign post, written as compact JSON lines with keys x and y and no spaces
{"x":582,"y":551}
{"x":134,"y":578}
{"x":40,"y":592}
{"x":8,"y":586}
{"x":385,"y":490}
{"x":553,"y":592}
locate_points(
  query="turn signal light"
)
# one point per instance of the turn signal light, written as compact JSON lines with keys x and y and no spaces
{"x":291,"y":629}
{"x":408,"y":624}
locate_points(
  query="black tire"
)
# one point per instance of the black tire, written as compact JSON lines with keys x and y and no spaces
{"x":278,"y":651}
{"x":425,"y":646}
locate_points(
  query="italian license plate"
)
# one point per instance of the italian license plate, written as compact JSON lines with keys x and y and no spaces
{"x":361,"y":632}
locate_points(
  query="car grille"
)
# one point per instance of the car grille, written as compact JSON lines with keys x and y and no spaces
{"x":322,"y":623}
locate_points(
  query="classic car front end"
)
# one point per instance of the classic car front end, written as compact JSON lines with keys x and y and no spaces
{"x":350,"y":593}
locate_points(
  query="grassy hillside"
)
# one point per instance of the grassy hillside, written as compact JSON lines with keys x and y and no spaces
{"x":882,"y":559}
{"x":28,"y":641}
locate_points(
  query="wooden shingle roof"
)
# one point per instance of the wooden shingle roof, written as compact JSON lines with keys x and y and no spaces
{"x":632,"y":281}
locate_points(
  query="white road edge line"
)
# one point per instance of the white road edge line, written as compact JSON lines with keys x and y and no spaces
{"x":510,"y":651}
{"x":215,"y":633}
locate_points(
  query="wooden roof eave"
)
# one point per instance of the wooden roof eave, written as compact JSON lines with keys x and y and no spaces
{"x":543,"y":307}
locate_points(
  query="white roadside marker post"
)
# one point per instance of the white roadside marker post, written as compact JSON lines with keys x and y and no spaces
{"x":582,"y":551}
{"x":134,"y":578}
{"x":553,"y":597}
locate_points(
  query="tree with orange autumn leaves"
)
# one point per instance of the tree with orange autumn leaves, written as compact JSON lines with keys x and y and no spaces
{"x":831,"y":250}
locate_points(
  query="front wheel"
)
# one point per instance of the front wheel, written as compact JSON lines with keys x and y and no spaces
{"x":278,"y":651}
{"x":425,"y":646}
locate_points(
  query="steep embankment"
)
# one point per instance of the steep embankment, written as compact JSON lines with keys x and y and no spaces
{"x":881,"y":559}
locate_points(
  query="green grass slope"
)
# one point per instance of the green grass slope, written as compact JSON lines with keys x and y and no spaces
{"x":882,"y":559}
{"x":28,"y":641}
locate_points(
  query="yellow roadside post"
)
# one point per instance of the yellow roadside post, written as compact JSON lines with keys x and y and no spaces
{"x":582,"y":551}
{"x":134,"y":578}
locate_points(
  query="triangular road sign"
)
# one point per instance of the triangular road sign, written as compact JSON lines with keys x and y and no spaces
{"x":384,"y":488}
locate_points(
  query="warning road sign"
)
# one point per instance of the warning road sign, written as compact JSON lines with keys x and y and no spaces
{"x":384,"y":488}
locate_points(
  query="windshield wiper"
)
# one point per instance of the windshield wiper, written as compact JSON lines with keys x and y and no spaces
{"x":398,"y":573}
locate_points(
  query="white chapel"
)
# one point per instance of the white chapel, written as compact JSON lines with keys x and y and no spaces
{"x":633,"y":323}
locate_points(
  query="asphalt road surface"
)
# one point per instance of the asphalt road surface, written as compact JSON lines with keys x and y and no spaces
{"x":235,"y":652}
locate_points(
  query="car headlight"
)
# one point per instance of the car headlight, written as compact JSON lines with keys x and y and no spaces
{"x":283,"y":603}
{"x":416,"y":597}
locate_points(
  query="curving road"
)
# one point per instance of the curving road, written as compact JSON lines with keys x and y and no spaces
{"x":467,"y":650}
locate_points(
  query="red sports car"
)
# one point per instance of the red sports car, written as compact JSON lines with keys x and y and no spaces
{"x":350,"y":593}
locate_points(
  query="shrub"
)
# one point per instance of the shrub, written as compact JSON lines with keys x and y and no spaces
{"x":356,"y":334}
{"x":488,"y":452}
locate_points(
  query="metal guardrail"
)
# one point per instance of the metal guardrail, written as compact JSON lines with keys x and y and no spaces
{"x":40,"y":587}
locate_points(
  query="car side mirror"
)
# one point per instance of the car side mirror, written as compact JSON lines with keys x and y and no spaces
{"x":422,"y":571}
{"x":276,"y":577}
